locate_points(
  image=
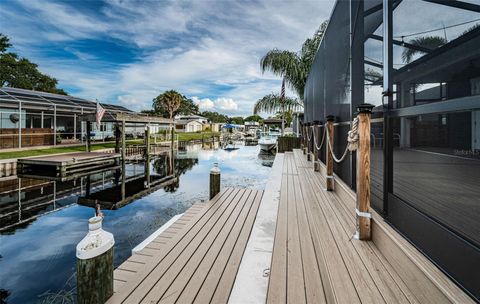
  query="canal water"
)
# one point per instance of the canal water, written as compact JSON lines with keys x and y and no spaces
{"x":42,"y":220}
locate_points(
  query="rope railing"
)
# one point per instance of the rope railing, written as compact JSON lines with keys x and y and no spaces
{"x":359,"y":140}
{"x":352,"y":142}
{"x":323,"y":139}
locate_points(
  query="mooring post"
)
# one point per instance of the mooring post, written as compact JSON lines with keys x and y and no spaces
{"x":214,"y":180}
{"x":124,"y":156}
{"x":146,"y":140}
{"x":316,"y":153}
{"x":95,"y":264}
{"x":117,"y":138}
{"x":328,"y":155}
{"x":363,"y":173}
{"x":89,"y":130}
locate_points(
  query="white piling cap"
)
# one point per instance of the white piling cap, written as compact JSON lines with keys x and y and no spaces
{"x":215,"y":169}
{"x":96,"y":242}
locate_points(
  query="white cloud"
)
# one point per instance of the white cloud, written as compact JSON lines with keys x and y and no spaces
{"x":227,"y":104}
{"x":212,"y":51}
{"x":204,"y":104}
{"x":224,"y":105}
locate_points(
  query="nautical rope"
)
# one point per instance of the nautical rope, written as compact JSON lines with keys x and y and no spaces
{"x":323,"y":139}
{"x":309,"y":137}
{"x":352,"y":142}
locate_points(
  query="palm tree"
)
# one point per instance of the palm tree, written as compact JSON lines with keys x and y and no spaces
{"x":272,"y":103}
{"x":170,"y":101}
{"x":294,"y":67}
{"x":428,"y":42}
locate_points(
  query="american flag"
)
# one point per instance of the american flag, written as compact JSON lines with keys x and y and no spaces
{"x":99,"y":114}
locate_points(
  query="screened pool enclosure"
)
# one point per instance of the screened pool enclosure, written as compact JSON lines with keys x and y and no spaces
{"x":418,"y":63}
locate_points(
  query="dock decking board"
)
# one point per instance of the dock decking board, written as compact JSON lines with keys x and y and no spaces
{"x":314,"y":258}
{"x":200,"y":260}
{"x":136,"y":262}
{"x":336,"y":269}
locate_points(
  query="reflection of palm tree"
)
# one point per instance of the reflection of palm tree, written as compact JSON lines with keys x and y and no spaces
{"x":181,"y":166}
{"x":427,"y":42}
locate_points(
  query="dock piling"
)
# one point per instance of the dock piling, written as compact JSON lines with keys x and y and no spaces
{"x":363,"y":217}
{"x":214,"y":180}
{"x":95,"y":264}
{"x":88,"y":140}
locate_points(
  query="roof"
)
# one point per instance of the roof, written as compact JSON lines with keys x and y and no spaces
{"x":190,"y":117}
{"x":128,"y":117}
{"x":272,"y":121}
{"x":37,"y":98}
{"x":185,"y":122}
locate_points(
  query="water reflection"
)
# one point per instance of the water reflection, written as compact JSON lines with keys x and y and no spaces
{"x":42,"y":221}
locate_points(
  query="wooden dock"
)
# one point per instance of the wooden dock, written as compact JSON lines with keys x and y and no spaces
{"x":61,"y":165}
{"x":313,"y":257}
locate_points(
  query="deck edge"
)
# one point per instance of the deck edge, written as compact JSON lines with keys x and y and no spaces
{"x":251,"y":282}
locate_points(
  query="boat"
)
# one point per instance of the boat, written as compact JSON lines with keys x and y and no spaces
{"x":267,"y":142}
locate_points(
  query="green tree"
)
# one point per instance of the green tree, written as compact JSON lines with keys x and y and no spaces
{"x":215,"y":117}
{"x":238,"y":120}
{"x":21,"y":73}
{"x":294,"y":67}
{"x":168,"y":101}
{"x":254,"y":117}
{"x":186,"y":107}
{"x":287,"y":115}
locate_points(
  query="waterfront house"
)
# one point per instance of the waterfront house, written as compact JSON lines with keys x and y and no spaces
{"x":32,"y":118}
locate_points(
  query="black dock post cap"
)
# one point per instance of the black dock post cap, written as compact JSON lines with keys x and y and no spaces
{"x":365,"y":108}
{"x":330,"y":118}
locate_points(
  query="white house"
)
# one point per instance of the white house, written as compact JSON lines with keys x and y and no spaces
{"x":192,"y":125}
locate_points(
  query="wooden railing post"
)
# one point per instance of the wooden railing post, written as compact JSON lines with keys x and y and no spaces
{"x":316,"y":153}
{"x":309,"y":142}
{"x":363,"y":173}
{"x":304,"y":148}
{"x":328,"y":154}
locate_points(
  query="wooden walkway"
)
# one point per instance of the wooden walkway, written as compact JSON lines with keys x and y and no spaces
{"x":315,"y":259}
{"x":199,"y":262}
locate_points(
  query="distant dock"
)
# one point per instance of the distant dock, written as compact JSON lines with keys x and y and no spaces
{"x":61,"y":165}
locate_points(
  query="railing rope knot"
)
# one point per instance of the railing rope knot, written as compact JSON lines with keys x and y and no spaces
{"x":352,"y":142}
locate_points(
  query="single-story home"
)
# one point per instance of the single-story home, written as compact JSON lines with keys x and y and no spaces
{"x":192,"y":125}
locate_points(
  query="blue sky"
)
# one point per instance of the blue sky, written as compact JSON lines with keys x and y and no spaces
{"x":127,"y":52}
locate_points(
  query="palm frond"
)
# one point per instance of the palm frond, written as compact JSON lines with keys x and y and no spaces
{"x":428,"y":42}
{"x":272,"y":103}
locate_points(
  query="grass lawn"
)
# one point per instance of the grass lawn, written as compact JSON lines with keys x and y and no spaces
{"x":37,"y":152}
{"x":45,"y":151}
{"x":194,"y":135}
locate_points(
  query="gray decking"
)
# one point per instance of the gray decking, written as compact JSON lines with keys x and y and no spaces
{"x":313,"y":258}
